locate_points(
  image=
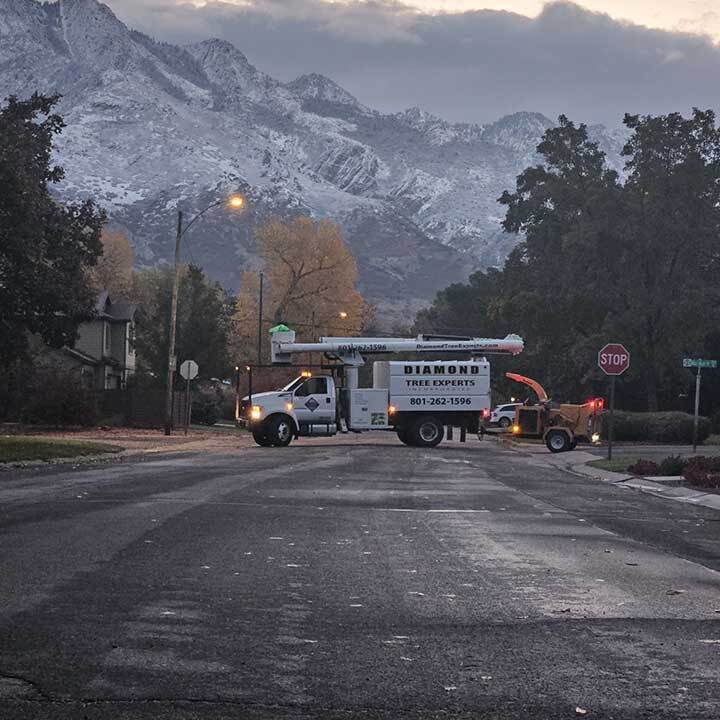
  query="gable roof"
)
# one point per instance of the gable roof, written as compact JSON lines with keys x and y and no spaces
{"x":121,"y":310}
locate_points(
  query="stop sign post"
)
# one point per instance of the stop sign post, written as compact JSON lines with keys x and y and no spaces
{"x":613,"y":360}
{"x":188,"y":370}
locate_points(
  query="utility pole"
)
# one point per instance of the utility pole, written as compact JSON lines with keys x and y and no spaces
{"x":173,"y":323}
{"x":260,"y":316}
{"x":235,"y":202}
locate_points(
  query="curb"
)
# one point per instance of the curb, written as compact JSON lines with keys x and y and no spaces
{"x":679,"y":494}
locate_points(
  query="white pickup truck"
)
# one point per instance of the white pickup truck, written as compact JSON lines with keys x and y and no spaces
{"x":416,"y":399}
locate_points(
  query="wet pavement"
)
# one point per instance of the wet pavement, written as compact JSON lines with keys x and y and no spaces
{"x":353,"y":580}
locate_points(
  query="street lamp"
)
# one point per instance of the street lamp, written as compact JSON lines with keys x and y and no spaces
{"x":237,"y":393}
{"x":343,"y":315}
{"x":234,"y":202}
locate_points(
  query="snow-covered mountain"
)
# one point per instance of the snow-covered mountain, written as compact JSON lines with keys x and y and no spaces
{"x":153,"y":126}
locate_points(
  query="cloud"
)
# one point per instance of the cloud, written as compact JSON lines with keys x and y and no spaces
{"x":472,"y":66}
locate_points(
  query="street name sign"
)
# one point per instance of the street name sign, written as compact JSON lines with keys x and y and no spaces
{"x":614,"y":359}
{"x":699,"y":363}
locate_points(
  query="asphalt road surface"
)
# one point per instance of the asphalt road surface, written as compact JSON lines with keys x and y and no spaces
{"x":353,"y":581}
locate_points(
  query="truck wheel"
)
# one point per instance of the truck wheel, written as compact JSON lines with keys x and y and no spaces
{"x":557,"y":441}
{"x":279,"y":430}
{"x":428,"y":431}
{"x":405,"y":435}
{"x":260,"y":437}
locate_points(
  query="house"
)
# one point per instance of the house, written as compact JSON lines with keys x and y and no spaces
{"x":104,"y":353}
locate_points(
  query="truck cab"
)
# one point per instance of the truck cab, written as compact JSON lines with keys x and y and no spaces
{"x":305,"y":406}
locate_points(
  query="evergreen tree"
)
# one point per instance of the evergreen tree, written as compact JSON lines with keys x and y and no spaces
{"x":203,"y":321}
{"x":46,"y":248}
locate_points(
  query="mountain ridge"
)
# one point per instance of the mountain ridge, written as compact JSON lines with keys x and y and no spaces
{"x":152,"y":126}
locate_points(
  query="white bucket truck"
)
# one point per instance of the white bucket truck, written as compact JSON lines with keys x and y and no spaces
{"x":415,"y":398}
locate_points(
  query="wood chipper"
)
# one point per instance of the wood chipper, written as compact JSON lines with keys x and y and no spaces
{"x":560,"y":426}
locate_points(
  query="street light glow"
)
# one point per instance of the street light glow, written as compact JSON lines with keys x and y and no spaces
{"x":236,"y":201}
{"x":343,"y":315}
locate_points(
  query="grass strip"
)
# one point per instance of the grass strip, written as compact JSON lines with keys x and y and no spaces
{"x":617,"y":464}
{"x":18,"y":448}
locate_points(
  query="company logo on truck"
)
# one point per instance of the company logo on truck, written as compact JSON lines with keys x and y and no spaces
{"x":473,"y":369}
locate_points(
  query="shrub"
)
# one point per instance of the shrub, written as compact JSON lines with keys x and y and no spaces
{"x":227,"y":407}
{"x":57,"y":397}
{"x":644,"y":467}
{"x":703,"y":472}
{"x":716,"y":422}
{"x":205,"y":410}
{"x":660,"y":427}
{"x":673,"y":465}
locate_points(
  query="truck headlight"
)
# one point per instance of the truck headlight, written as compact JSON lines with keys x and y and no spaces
{"x":288,"y":407}
{"x":255,"y":412}
{"x":391,"y":409}
{"x":516,"y":429}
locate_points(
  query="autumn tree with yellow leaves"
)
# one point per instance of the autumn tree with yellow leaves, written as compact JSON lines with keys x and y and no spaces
{"x":310,"y":279}
{"x":114,"y":268}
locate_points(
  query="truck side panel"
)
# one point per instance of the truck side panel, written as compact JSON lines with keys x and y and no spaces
{"x":369,"y":409}
{"x":452,"y":386}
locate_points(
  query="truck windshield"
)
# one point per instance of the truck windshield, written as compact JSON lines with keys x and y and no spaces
{"x":293,"y":384}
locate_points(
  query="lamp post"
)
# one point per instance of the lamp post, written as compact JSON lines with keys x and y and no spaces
{"x":260,"y":320}
{"x":235,"y":202}
{"x":237,"y":393}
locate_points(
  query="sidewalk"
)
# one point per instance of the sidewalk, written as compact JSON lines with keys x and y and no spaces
{"x":576,"y":461}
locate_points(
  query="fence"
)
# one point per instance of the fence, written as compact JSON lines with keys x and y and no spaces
{"x":140,"y":407}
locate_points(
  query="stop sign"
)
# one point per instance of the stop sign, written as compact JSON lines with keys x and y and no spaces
{"x":614,"y":359}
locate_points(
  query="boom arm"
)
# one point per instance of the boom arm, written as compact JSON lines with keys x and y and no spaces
{"x":352,"y":349}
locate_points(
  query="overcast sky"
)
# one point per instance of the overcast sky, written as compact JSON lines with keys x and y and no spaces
{"x":465,"y":63}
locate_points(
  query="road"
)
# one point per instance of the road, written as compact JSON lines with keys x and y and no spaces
{"x":354,"y":580}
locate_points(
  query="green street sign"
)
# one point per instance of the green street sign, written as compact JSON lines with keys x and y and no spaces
{"x":699,"y":363}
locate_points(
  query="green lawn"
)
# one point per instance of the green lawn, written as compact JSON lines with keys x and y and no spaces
{"x":19,"y":448}
{"x":617,"y":464}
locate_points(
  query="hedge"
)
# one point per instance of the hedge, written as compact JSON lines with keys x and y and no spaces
{"x":660,"y":427}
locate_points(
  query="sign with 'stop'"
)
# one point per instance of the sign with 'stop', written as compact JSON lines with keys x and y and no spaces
{"x":189,"y":370}
{"x":614,"y":359}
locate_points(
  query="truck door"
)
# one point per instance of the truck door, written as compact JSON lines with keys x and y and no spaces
{"x":314,"y":402}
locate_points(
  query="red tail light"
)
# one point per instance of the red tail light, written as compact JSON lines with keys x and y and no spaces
{"x":485,"y":413}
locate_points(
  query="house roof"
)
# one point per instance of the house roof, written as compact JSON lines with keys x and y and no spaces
{"x":121,"y":309}
{"x":83,"y":357}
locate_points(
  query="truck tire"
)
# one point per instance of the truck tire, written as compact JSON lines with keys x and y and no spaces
{"x":279,"y":430}
{"x":558,"y":441}
{"x":260,"y":437}
{"x":427,"y":431}
{"x":405,"y":435}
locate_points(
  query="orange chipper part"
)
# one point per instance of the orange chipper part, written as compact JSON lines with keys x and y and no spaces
{"x":536,"y":386}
